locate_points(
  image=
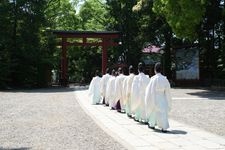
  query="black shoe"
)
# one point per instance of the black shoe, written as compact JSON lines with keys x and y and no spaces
{"x":144,"y":123}
{"x":103,"y":102}
{"x":164,"y":131}
{"x":112,"y":108}
{"x":136,"y":119}
{"x":128,"y":115}
{"x":151,"y":127}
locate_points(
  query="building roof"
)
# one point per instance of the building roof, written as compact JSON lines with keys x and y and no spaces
{"x":151,"y":49}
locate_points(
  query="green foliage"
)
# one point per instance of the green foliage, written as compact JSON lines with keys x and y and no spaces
{"x":195,"y":21}
{"x":183,"y":16}
{"x":23,"y":48}
{"x":28,"y":50}
{"x":5,"y":43}
{"x":125,"y":21}
{"x":61,"y":15}
{"x":94,"y":15}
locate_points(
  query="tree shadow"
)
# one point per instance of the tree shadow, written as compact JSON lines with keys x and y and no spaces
{"x":21,"y":148}
{"x":209,"y":94}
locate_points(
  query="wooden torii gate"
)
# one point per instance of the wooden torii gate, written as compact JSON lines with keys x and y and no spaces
{"x":107,"y":40}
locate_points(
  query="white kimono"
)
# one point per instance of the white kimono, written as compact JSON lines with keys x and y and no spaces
{"x":103,"y":84}
{"x":139,"y":85}
{"x":124,"y":94}
{"x":110,"y":91}
{"x":158,"y":101}
{"x":119,"y":90}
{"x":127,"y":88}
{"x":94,"y":90}
{"x":108,"y":88}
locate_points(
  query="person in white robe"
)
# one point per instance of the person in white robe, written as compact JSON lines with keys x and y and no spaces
{"x":103,"y":85}
{"x":94,"y":89}
{"x":138,"y":87}
{"x":158,"y":100}
{"x":110,"y":89}
{"x":127,"y":89}
{"x":119,"y":91}
{"x":124,"y":95}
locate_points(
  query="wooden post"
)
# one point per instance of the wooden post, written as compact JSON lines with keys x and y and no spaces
{"x":104,"y":55}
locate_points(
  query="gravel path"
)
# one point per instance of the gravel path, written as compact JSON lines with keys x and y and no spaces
{"x":201,"y":108}
{"x":48,"y":119}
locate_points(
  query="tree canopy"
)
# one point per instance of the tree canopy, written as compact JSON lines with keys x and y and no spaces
{"x":28,"y":51}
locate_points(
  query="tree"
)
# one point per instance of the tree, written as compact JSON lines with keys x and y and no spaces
{"x":125,"y":21}
{"x":23,"y":47}
{"x":94,"y":15}
{"x":5,"y":41}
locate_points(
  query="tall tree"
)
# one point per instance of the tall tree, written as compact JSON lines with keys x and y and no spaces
{"x":6,"y":40}
{"x":126,"y":21}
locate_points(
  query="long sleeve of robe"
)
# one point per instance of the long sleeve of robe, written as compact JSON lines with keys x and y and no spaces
{"x":138,"y":96}
{"x":158,"y":101}
{"x":119,"y":90}
{"x":134,"y":94}
{"x":103,"y":84}
{"x":111,"y":91}
{"x":124,"y":94}
{"x":140,"y":113}
{"x":128,"y":84}
{"x":94,"y":90}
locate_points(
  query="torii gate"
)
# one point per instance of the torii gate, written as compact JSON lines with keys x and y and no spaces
{"x":107,"y":40}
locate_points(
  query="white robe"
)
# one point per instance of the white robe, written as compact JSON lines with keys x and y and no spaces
{"x":108,"y":88}
{"x":124,"y":94}
{"x":94,"y":90}
{"x":110,"y":91}
{"x":139,"y":85}
{"x":103,"y":84}
{"x":127,"y":89}
{"x":158,"y":101}
{"x":119,"y":90}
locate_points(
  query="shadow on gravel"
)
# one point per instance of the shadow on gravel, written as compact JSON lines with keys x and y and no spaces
{"x":22,"y":148}
{"x":171,"y":132}
{"x":210,"y":94}
{"x":57,"y":89}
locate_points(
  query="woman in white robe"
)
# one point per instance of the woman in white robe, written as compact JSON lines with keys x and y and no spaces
{"x":158,"y":100}
{"x":94,"y":90}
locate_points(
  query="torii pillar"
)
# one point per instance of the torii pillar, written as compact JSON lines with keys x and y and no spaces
{"x":104,"y":55}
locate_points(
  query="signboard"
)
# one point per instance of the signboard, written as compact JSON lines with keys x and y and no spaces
{"x":187,"y":64}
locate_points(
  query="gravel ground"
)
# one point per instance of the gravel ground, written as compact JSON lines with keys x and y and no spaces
{"x":52,"y":118}
{"x":202,"y":108}
{"x":48,"y":119}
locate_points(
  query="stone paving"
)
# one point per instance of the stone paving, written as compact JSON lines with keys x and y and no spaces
{"x":137,"y":136}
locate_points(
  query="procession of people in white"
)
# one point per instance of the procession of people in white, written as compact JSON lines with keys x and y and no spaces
{"x":146,"y":99}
